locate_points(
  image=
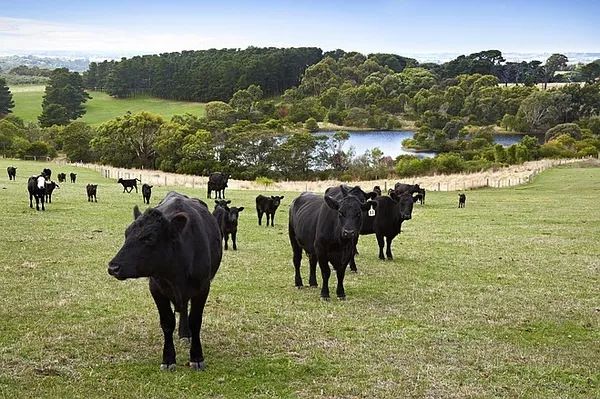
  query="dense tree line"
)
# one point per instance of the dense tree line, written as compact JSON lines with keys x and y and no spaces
{"x":204,"y":75}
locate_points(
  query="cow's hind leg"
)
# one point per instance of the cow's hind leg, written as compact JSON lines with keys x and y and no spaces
{"x":184,"y":325}
{"x":296,"y":258}
{"x":226,"y":238}
{"x":312,"y":277}
{"x":31,"y":201}
{"x":167,"y":323}
{"x":341,"y":272}
{"x":325,"y":273}
{"x":196,"y":310}
{"x":260,"y":215}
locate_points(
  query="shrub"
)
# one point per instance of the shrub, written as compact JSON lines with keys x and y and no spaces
{"x":311,"y":125}
{"x":571,"y":129}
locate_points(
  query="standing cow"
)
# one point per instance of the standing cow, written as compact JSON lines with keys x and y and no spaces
{"x":36,"y":185}
{"x":12,"y":173}
{"x":91,"y":192}
{"x":73,"y":177}
{"x":178,"y":246}
{"x":420,"y":196}
{"x":267,"y":205}
{"x":387,"y":221}
{"x":400,"y":188}
{"x":146,"y":193}
{"x":217,"y":182}
{"x":50,"y":186}
{"x":227,"y":219}
{"x":326,"y":229}
{"x":62,"y":177}
{"x":462,"y":200}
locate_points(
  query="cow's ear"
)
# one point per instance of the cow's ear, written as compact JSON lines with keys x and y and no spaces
{"x":344,"y":190}
{"x":136,"y":212}
{"x":332,"y":203}
{"x":240,"y":209}
{"x":281,"y":197}
{"x":179,"y":222}
{"x":368,"y":205}
{"x":217,"y":202}
{"x":228,"y":202}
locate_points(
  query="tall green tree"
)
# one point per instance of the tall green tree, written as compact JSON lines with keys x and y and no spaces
{"x":76,"y":138}
{"x":64,"y":98}
{"x":6,"y":100}
{"x":554,"y":63}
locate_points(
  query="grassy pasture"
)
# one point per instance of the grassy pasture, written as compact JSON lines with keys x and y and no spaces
{"x":102,"y":107}
{"x":500,"y":299}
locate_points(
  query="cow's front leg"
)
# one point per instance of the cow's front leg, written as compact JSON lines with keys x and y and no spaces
{"x":226,"y":238}
{"x":325,"y":273}
{"x":233,"y":240}
{"x":197,"y":308}
{"x":167,"y":323}
{"x":341,"y":272}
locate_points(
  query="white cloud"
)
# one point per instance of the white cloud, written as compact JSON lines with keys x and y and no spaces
{"x":26,"y":35}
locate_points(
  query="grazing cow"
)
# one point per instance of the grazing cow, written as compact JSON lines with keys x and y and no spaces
{"x":387,"y":221}
{"x":62,"y":177}
{"x":342,"y":191}
{"x":269,"y":206}
{"x":178,"y":246}
{"x":73,"y":177}
{"x":217,"y":182}
{"x":36,"y":185}
{"x":227,"y":219}
{"x":91,"y":192}
{"x":326,"y":229}
{"x":12,"y":173}
{"x":50,"y":186}
{"x":462,"y":199}
{"x":129,"y":184}
{"x":146,"y":193}
{"x":377,"y":190}
{"x":222,"y":203}
{"x":47,"y":173}
{"x":420,"y":196}
{"x":400,"y":188}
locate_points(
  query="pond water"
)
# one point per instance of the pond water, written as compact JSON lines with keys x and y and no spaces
{"x":390,"y":142}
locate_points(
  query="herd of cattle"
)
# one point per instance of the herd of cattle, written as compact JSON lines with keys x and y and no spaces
{"x":178,"y":244}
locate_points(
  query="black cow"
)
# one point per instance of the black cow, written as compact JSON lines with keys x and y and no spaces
{"x":129,"y":184}
{"x":462,"y":199}
{"x":387,"y":221}
{"x":342,"y":191}
{"x":377,"y":190}
{"x":50,"y":186}
{"x":62,"y":177}
{"x":269,"y":206}
{"x":12,"y":173}
{"x":36,"y":185}
{"x":91,"y":192}
{"x":326,"y":229}
{"x":227,"y":219}
{"x":400,"y":188}
{"x":47,"y":173}
{"x":178,"y":246}
{"x":420,"y":196}
{"x":222,"y":203}
{"x":146,"y":193}
{"x":73,"y":177}
{"x":217,"y":182}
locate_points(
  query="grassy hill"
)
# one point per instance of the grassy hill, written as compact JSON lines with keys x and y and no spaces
{"x":499,"y":299}
{"x":102,"y":107}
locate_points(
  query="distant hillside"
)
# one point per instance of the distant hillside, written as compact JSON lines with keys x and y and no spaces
{"x":9,"y":62}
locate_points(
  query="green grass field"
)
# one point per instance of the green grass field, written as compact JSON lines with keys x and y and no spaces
{"x":500,"y":299}
{"x":102,"y":107}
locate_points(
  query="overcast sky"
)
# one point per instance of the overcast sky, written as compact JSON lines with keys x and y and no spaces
{"x":397,"y":26}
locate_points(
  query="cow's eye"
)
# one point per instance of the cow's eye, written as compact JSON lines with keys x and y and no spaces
{"x":146,"y":238}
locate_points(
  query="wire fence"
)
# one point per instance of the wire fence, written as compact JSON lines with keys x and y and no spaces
{"x":499,"y":178}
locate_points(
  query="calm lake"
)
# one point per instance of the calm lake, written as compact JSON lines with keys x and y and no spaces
{"x":390,"y":142}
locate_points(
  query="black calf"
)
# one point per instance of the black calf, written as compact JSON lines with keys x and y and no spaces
{"x":36,"y":185}
{"x":91,"y":192}
{"x":12,"y":173}
{"x":146,"y":193}
{"x":73,"y":177}
{"x":129,"y":184}
{"x":50,"y":186}
{"x":227,"y":219}
{"x":62,"y":177}
{"x":462,"y":199}
{"x":269,"y":206}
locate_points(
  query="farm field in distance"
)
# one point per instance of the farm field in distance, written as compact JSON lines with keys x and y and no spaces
{"x":102,"y":107}
{"x":499,"y":299}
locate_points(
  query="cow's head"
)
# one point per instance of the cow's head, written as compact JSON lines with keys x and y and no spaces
{"x":405,"y":204}
{"x":120,"y":180}
{"x":349,"y":213}
{"x":148,"y":244}
{"x":233,"y":215}
{"x":222,"y":203}
{"x":276,"y":200}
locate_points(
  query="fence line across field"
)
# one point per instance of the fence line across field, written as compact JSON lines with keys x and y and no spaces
{"x":506,"y":177}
